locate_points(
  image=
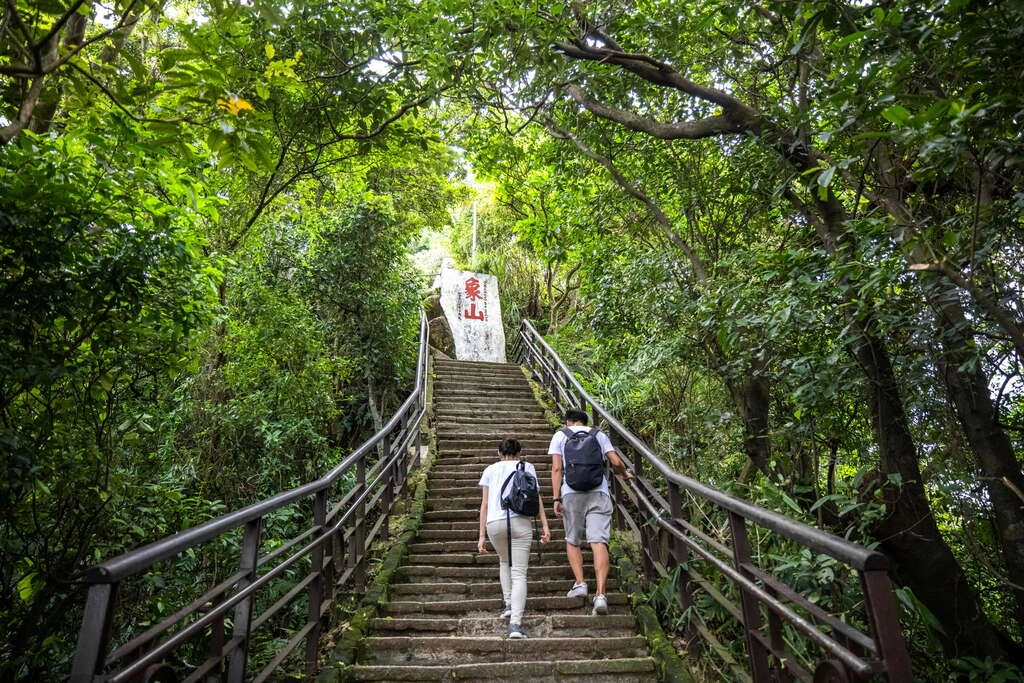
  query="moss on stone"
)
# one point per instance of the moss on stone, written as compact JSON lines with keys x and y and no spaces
{"x":671,"y":667}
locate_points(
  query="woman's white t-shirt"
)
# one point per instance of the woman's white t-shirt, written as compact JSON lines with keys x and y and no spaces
{"x":493,"y":478}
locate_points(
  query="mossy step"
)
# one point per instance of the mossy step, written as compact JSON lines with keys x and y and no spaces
{"x":536,"y":625}
{"x":631,"y":670}
{"x":429,"y":572}
{"x":483,"y":607}
{"x":418,"y":650}
{"x":485,"y":587}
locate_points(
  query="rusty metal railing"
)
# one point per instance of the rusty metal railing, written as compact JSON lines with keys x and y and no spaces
{"x":716,"y":544}
{"x":336,"y":518}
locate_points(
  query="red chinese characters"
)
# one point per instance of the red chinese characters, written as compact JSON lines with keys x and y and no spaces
{"x":472,"y":295}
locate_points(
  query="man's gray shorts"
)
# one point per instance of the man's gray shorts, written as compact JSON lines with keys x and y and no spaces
{"x":587,"y":516}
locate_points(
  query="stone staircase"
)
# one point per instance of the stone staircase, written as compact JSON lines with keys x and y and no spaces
{"x":442,"y":622}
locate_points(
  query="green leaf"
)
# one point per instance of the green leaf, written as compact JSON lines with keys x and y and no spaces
{"x":896,"y":114}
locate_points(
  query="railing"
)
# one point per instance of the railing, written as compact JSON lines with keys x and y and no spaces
{"x":337,"y":516}
{"x":685,"y":526}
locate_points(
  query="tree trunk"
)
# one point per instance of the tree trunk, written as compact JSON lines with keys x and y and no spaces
{"x":750,"y":396}
{"x":909,"y":534}
{"x":969,"y":394}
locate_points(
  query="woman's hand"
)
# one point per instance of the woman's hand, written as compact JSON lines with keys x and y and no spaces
{"x":545,"y":534}
{"x":481,"y":545}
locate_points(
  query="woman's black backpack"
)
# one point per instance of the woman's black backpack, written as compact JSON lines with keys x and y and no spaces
{"x":519,"y":494}
{"x":523,"y":495}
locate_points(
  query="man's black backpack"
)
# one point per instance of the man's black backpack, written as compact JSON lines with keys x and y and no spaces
{"x":523,"y":495}
{"x":583,"y":459}
{"x":519,"y":494}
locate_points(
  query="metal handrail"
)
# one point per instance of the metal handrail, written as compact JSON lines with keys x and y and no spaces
{"x":334,"y":544}
{"x":671,"y":542}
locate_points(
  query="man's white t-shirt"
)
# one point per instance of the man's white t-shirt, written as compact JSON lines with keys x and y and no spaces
{"x":493,"y":477}
{"x":557,"y":442}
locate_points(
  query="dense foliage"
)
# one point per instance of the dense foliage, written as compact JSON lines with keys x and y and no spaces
{"x":782,"y":240}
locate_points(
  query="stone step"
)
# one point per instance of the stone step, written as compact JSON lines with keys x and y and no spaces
{"x":497,"y":413}
{"x":452,"y":546}
{"x":486,"y":587}
{"x":481,"y":387}
{"x":489,"y":607}
{"x":475,"y":365}
{"x":634,"y":670}
{"x":536,"y":625}
{"x":429,"y":573}
{"x":463,"y":444}
{"x":470,"y":531}
{"x":497,"y":431}
{"x":429,"y":650}
{"x":554,"y":554}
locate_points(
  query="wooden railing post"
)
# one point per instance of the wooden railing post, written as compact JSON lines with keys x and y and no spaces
{"x":316,"y":586}
{"x":884,"y":619}
{"x":357,"y":541}
{"x":752,"y":621}
{"x":243,"y":610}
{"x":94,"y":636}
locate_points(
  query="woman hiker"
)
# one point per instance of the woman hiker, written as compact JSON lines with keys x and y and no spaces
{"x":498,"y":523}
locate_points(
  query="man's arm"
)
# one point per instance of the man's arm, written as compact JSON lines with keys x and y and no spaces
{"x":618,"y":466}
{"x":556,"y":482}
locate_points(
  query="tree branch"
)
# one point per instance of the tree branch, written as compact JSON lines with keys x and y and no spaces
{"x":690,"y":130}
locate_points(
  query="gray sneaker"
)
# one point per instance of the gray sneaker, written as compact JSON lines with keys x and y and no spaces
{"x":514,"y":631}
{"x":506,"y":611}
{"x":578,"y":590}
{"x":600,"y":604}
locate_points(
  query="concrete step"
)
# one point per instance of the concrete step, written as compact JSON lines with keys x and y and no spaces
{"x":454,"y":545}
{"x":442,"y":366}
{"x":480,"y":387}
{"x":463,"y":443}
{"x":489,"y":607}
{"x":634,"y":670}
{"x":429,"y":650}
{"x":496,"y":431}
{"x":427,"y":573}
{"x":456,"y":410}
{"x":484,"y":587}
{"x":536,"y":625}
{"x":426,"y":535}
{"x":554,"y":554}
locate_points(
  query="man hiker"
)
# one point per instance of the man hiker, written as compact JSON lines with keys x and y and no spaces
{"x":581,"y":497}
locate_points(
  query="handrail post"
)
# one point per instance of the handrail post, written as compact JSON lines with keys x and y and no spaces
{"x":243,"y":610}
{"x":752,"y":621}
{"x":357,"y":544}
{"x":680,"y":553}
{"x":316,"y":586}
{"x":880,"y":604}
{"x":94,"y":635}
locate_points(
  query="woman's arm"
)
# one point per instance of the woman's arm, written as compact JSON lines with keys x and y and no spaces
{"x":481,"y":543}
{"x":545,"y":533}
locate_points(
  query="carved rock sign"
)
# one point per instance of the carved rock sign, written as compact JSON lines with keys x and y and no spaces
{"x":470,"y":303}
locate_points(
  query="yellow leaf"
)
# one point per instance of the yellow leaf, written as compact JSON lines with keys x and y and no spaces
{"x":234,"y":105}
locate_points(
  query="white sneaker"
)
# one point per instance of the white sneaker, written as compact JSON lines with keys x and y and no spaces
{"x":600,"y":604}
{"x":506,"y":611}
{"x":578,"y":590}
{"x":514,"y":631}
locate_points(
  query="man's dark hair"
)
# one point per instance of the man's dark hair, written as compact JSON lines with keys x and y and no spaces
{"x":573,"y":415}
